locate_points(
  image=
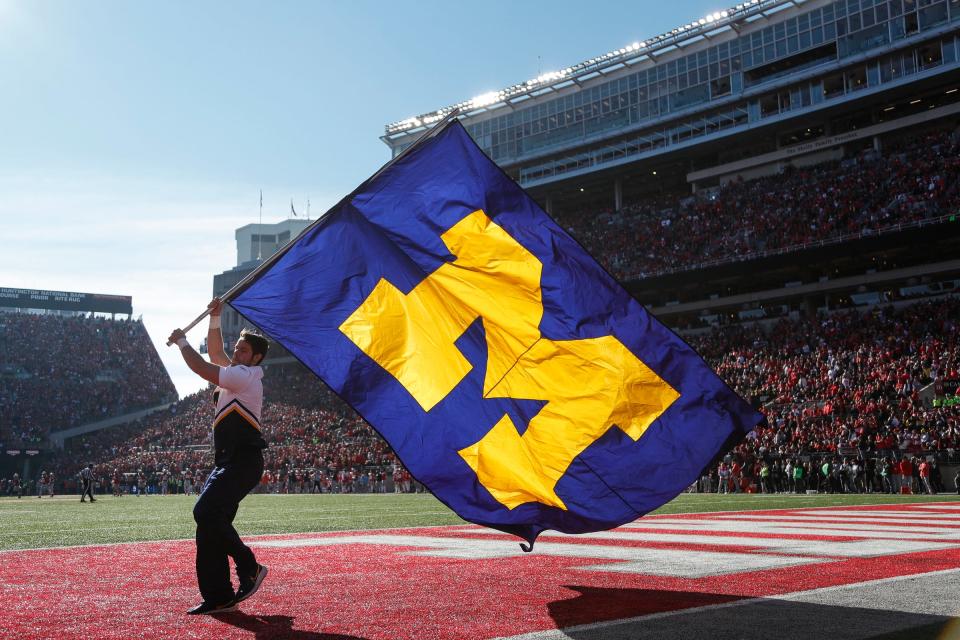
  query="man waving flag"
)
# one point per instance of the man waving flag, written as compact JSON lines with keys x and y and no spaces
{"x":511,"y":374}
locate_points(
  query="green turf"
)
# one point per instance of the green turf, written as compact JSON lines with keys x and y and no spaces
{"x":32,"y":523}
{"x":45,"y":522}
{"x":703,"y":502}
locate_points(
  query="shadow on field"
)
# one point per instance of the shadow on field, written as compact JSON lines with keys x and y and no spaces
{"x":679,"y":614}
{"x":276,"y":628}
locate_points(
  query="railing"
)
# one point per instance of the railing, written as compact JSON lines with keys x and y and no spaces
{"x":57,"y":438}
{"x":943,"y":456}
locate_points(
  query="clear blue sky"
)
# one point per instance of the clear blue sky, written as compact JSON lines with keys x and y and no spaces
{"x":135,"y":136}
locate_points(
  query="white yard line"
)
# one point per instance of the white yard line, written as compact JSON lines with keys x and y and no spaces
{"x":564,"y":634}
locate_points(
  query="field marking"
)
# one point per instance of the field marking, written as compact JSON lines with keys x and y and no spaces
{"x":244,"y":537}
{"x":901,"y":524}
{"x":935,"y":501}
{"x":681,"y":563}
{"x":563,"y":634}
{"x":854,"y":548}
{"x":648,"y":521}
{"x":797,"y":594}
{"x":244,"y":522}
{"x":771,"y":528}
{"x":826,"y":519}
{"x":871,"y":513}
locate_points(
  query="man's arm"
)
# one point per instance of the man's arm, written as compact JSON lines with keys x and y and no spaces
{"x":206,"y":370}
{"x":214,"y":335}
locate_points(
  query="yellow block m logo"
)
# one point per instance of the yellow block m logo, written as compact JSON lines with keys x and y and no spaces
{"x":589,"y":385}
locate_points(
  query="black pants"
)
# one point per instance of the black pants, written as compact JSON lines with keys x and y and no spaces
{"x":216,"y":538}
{"x":87,"y":490}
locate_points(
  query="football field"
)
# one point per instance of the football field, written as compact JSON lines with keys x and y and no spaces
{"x":403,"y":566}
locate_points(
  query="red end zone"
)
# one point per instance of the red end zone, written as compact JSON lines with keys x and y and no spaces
{"x":468,"y":582}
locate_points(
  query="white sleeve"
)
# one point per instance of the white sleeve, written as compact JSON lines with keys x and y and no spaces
{"x":235,"y":378}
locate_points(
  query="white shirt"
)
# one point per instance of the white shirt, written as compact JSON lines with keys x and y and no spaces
{"x":244,"y":385}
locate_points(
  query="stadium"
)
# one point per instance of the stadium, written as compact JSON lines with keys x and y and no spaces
{"x":777,"y":183}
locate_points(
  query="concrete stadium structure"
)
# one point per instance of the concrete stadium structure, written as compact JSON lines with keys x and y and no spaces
{"x":738,"y":94}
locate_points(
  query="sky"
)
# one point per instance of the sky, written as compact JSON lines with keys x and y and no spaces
{"x":135,"y":137}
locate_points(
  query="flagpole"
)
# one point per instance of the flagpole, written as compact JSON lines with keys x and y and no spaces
{"x":265,"y":264}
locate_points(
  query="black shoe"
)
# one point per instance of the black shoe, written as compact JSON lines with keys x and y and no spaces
{"x":207,"y":608}
{"x":249,"y":586}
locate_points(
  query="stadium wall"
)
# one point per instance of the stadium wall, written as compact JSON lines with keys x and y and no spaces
{"x":57,"y":438}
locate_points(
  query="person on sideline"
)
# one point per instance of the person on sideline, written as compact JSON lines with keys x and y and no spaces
{"x":238,"y":463}
{"x":86,"y":477}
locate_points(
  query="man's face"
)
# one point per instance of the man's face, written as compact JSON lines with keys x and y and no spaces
{"x":243,"y":354}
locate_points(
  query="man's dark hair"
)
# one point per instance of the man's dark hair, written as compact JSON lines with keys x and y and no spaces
{"x":258,"y":344}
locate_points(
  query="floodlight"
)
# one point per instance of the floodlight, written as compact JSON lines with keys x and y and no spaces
{"x":484,"y":99}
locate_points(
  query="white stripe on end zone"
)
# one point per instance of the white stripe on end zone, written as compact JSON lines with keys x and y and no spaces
{"x":821,"y":517}
{"x":253,"y":536}
{"x":853,"y":530}
{"x":563,"y":634}
{"x":893,"y":518}
{"x":875,"y":513}
{"x":854,"y":548}
{"x":684,"y":563}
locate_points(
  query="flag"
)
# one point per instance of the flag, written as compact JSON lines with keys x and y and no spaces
{"x":511,"y":374}
{"x":292,"y":210}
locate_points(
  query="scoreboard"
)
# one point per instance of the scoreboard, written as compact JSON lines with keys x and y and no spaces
{"x":12,"y":298}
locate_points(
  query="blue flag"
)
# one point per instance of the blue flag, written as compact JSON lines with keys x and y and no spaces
{"x":511,"y":374}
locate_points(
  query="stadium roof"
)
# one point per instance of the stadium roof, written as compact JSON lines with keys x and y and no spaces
{"x":702,"y":29}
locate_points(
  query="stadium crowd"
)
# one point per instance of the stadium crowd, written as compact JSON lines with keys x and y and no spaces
{"x":913,"y":181}
{"x":836,"y":474}
{"x":841,"y":392}
{"x":841,"y":389}
{"x":62,"y":371}
{"x":845,"y":389}
{"x":316,"y":444}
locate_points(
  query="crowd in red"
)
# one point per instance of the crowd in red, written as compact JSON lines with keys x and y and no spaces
{"x":846,"y":386}
{"x":843,"y":388}
{"x":62,"y":371}
{"x":316,"y":443}
{"x":847,"y":380}
{"x":831,"y":474}
{"x":914,"y":181}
